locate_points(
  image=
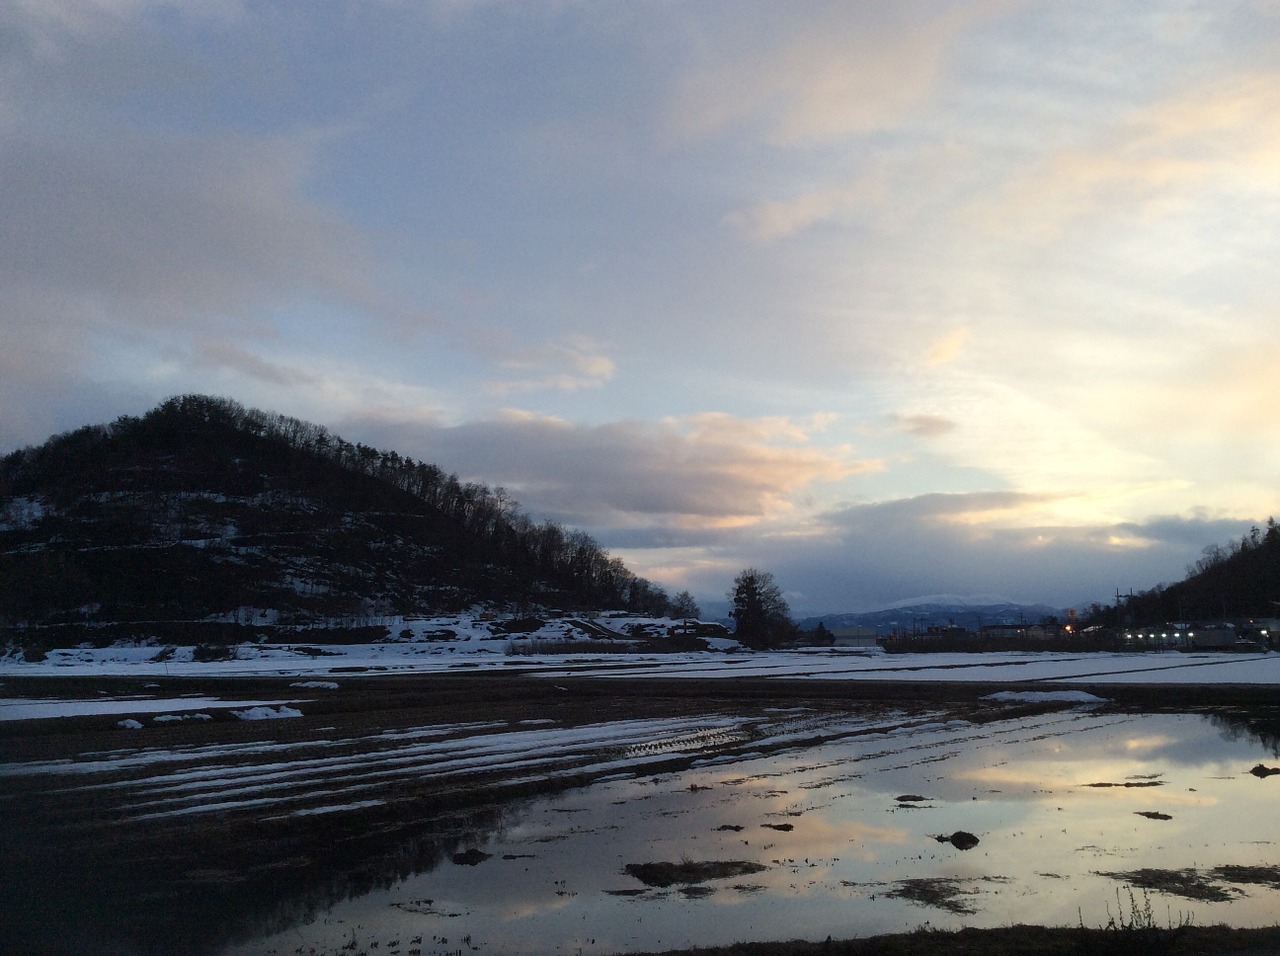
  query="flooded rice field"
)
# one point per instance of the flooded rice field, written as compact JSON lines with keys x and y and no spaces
{"x":664,"y":831}
{"x":1069,"y":810}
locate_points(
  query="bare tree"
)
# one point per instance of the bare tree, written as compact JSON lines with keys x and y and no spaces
{"x":683,"y":605}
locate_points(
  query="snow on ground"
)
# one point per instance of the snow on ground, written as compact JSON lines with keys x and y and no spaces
{"x":1048,"y":696}
{"x":266,"y":713}
{"x":28,"y":709}
{"x":462,"y":643}
{"x":347,"y":661}
{"x":309,"y":777}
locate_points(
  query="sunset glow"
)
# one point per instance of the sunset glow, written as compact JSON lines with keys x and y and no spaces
{"x":889,"y":299}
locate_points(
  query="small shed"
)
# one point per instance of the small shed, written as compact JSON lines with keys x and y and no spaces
{"x":855,"y":635}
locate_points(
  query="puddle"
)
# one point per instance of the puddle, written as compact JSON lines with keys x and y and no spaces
{"x":845,"y":838}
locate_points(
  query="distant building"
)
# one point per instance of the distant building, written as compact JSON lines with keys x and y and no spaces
{"x":1202,"y":637}
{"x":1004,"y":630}
{"x":856,"y":635}
{"x":1045,"y":632}
{"x":1265,"y":630}
{"x":1212,"y":636}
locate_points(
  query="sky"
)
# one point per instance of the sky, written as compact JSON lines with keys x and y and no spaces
{"x":887,"y":299}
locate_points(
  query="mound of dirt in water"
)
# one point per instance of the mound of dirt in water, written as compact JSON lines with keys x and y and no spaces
{"x":688,"y":872}
{"x":961,"y":839}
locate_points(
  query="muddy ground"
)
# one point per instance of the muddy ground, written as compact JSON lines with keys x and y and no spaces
{"x":1024,"y":941}
{"x":81,"y":870}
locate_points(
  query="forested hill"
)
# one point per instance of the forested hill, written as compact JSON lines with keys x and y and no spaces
{"x":1229,"y":583}
{"x":205,"y":510}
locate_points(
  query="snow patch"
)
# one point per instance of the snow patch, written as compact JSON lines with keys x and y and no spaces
{"x":43,"y":709}
{"x":1046,"y":696}
{"x":267,"y":713}
{"x":338,"y":808}
{"x":21,"y":513}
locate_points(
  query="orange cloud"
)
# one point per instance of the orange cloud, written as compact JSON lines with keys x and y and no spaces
{"x":1156,"y":160}
{"x":948,"y":348}
{"x":708,"y":471}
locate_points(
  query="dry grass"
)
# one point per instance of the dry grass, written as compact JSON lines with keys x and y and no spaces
{"x":1020,"y":941}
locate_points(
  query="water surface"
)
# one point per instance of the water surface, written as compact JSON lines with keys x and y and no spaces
{"x":1057,"y":802}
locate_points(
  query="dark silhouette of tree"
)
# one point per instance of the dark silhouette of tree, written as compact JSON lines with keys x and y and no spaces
{"x":683,"y":605}
{"x":760,"y":611}
{"x":1237,"y":580}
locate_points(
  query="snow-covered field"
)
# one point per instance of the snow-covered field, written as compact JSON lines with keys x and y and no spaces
{"x":475,"y":648}
{"x":476,"y":652}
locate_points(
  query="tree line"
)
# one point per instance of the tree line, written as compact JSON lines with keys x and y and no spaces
{"x":489,"y":517}
{"x":1240,"y":579}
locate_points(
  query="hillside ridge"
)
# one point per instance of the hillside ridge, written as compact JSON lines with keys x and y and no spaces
{"x":204,"y":511}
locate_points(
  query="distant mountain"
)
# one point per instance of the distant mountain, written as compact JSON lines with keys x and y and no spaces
{"x":955,"y":600}
{"x":204,"y":511}
{"x":941,"y":610}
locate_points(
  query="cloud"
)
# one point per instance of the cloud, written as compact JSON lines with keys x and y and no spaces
{"x":569,"y":366}
{"x":876,"y":554}
{"x":703,"y":472}
{"x":223,"y":356}
{"x":39,"y":390}
{"x":1049,"y":247}
{"x":47,"y":28}
{"x":867,"y":188}
{"x":780,"y":219}
{"x":934,"y":510}
{"x":924,"y":426}
{"x":158,"y":230}
{"x":1157,"y":162}
{"x":840,"y":70}
{"x":125,"y":252}
{"x":947,"y":349}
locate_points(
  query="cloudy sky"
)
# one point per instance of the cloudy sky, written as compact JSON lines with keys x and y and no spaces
{"x":890,"y":299}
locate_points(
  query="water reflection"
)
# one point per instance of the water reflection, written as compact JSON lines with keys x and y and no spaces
{"x":1057,"y":802}
{"x":127,"y":900}
{"x":1263,"y":725}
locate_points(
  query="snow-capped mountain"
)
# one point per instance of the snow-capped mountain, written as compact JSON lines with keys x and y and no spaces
{"x":940,"y":610}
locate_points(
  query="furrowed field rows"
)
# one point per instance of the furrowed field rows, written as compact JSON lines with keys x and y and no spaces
{"x":306,"y":777}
